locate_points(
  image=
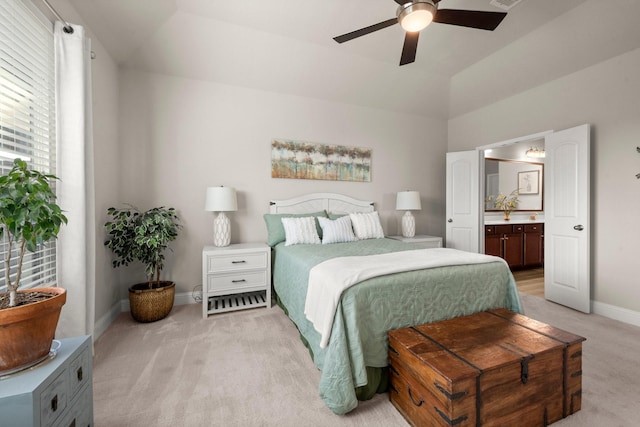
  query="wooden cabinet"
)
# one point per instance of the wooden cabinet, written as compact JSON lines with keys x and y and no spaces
{"x":521,"y":245}
{"x":533,"y":245}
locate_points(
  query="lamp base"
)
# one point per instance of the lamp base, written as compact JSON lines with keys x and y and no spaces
{"x":408,"y":225}
{"x":221,"y":230}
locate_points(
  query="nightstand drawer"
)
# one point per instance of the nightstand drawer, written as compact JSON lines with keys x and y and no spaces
{"x":234,"y":262}
{"x":236,"y":281}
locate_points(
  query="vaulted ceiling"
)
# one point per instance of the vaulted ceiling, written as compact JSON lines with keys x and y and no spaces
{"x":286,"y":46}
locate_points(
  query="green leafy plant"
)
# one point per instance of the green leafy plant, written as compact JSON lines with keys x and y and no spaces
{"x":29,"y":217}
{"x":506,"y":203}
{"x":142,"y":236}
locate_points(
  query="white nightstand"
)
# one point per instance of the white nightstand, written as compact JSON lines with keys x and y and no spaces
{"x":235,"y":277}
{"x":424,"y":241}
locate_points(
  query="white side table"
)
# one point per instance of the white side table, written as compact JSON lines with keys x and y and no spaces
{"x":423,"y":240}
{"x":235,"y":277}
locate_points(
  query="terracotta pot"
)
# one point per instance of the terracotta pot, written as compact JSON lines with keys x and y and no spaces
{"x":150,"y":305}
{"x":26,"y":331}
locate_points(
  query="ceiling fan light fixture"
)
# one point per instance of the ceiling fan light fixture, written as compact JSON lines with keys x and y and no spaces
{"x":416,"y":15}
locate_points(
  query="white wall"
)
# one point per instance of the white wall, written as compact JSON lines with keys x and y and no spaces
{"x":607,"y":96}
{"x":179,"y":136}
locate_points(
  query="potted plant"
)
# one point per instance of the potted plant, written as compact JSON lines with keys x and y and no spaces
{"x":506,"y":203}
{"x":29,"y":217}
{"x":144,"y":236}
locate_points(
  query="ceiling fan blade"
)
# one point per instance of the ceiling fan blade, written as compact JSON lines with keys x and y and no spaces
{"x":366,"y":30}
{"x":470,"y":18}
{"x":409,"y":48}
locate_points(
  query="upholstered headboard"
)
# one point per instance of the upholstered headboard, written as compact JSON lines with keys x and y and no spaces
{"x":314,"y":202}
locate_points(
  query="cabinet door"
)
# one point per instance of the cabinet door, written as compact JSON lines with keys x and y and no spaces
{"x":513,"y":249}
{"x":533,"y":245}
{"x":493,"y":244}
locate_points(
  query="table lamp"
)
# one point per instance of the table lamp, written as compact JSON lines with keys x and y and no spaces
{"x":221,"y":199}
{"x":408,"y":201}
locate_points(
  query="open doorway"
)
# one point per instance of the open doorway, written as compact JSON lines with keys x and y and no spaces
{"x":516,"y":166}
{"x":567,"y":204}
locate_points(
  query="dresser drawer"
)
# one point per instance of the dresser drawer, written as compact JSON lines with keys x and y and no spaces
{"x":53,"y":399}
{"x":79,"y":373}
{"x":236,"y":281}
{"x":236,"y":262}
{"x":80,"y":413}
{"x":533,"y":228}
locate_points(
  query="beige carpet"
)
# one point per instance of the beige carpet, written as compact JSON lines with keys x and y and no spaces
{"x":250,"y":369}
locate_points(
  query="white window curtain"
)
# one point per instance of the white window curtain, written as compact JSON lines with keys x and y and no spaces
{"x":74,"y":133}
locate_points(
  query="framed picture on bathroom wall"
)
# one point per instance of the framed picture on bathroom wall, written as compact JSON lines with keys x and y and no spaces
{"x":529,"y":182}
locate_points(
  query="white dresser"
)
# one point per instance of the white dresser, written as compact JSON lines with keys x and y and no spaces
{"x":57,"y":392}
{"x":235,"y":277}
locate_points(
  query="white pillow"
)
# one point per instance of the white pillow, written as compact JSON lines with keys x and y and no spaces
{"x":367,"y":225}
{"x":300,"y":231}
{"x":336,"y":231}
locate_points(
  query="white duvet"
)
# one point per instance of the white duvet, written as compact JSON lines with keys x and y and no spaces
{"x":329,"y":279}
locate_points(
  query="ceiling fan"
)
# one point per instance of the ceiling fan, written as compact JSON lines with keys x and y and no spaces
{"x":415,"y":15}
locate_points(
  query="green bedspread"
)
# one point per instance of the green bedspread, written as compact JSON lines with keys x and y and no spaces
{"x":371,"y":308}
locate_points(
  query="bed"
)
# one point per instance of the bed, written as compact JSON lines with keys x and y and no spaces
{"x":353,"y":359}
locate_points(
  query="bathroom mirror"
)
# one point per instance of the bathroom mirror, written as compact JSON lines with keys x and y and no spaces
{"x":504,"y":176}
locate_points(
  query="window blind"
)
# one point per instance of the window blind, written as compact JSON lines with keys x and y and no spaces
{"x":27,"y":118}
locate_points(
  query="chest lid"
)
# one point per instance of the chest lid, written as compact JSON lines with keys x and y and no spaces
{"x":470,"y":345}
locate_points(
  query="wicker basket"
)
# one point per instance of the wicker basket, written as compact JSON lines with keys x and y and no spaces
{"x":149,"y":305}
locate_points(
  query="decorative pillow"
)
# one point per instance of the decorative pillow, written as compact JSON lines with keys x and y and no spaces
{"x":275,"y":230}
{"x":336,"y":215}
{"x":300,"y":231}
{"x":367,"y":225}
{"x":336,"y":231}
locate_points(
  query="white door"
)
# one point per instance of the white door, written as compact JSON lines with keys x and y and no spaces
{"x":463,"y":195}
{"x":566,"y":209}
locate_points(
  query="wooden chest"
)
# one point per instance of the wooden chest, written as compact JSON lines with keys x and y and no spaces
{"x":495,"y":368}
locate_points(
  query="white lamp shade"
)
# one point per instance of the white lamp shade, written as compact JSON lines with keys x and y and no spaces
{"x":221,"y":199}
{"x":408,"y":201}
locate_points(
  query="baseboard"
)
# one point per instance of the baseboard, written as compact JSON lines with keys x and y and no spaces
{"x":103,"y":323}
{"x":616,"y":313}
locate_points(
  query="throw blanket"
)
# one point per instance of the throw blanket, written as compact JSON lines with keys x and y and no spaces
{"x":330,"y":278}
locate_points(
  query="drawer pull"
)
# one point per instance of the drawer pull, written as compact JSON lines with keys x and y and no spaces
{"x":394,"y":351}
{"x":418,"y":403}
{"x":79,"y":374}
{"x":238,"y":262}
{"x":238,"y":281}
{"x":54,"y":403}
